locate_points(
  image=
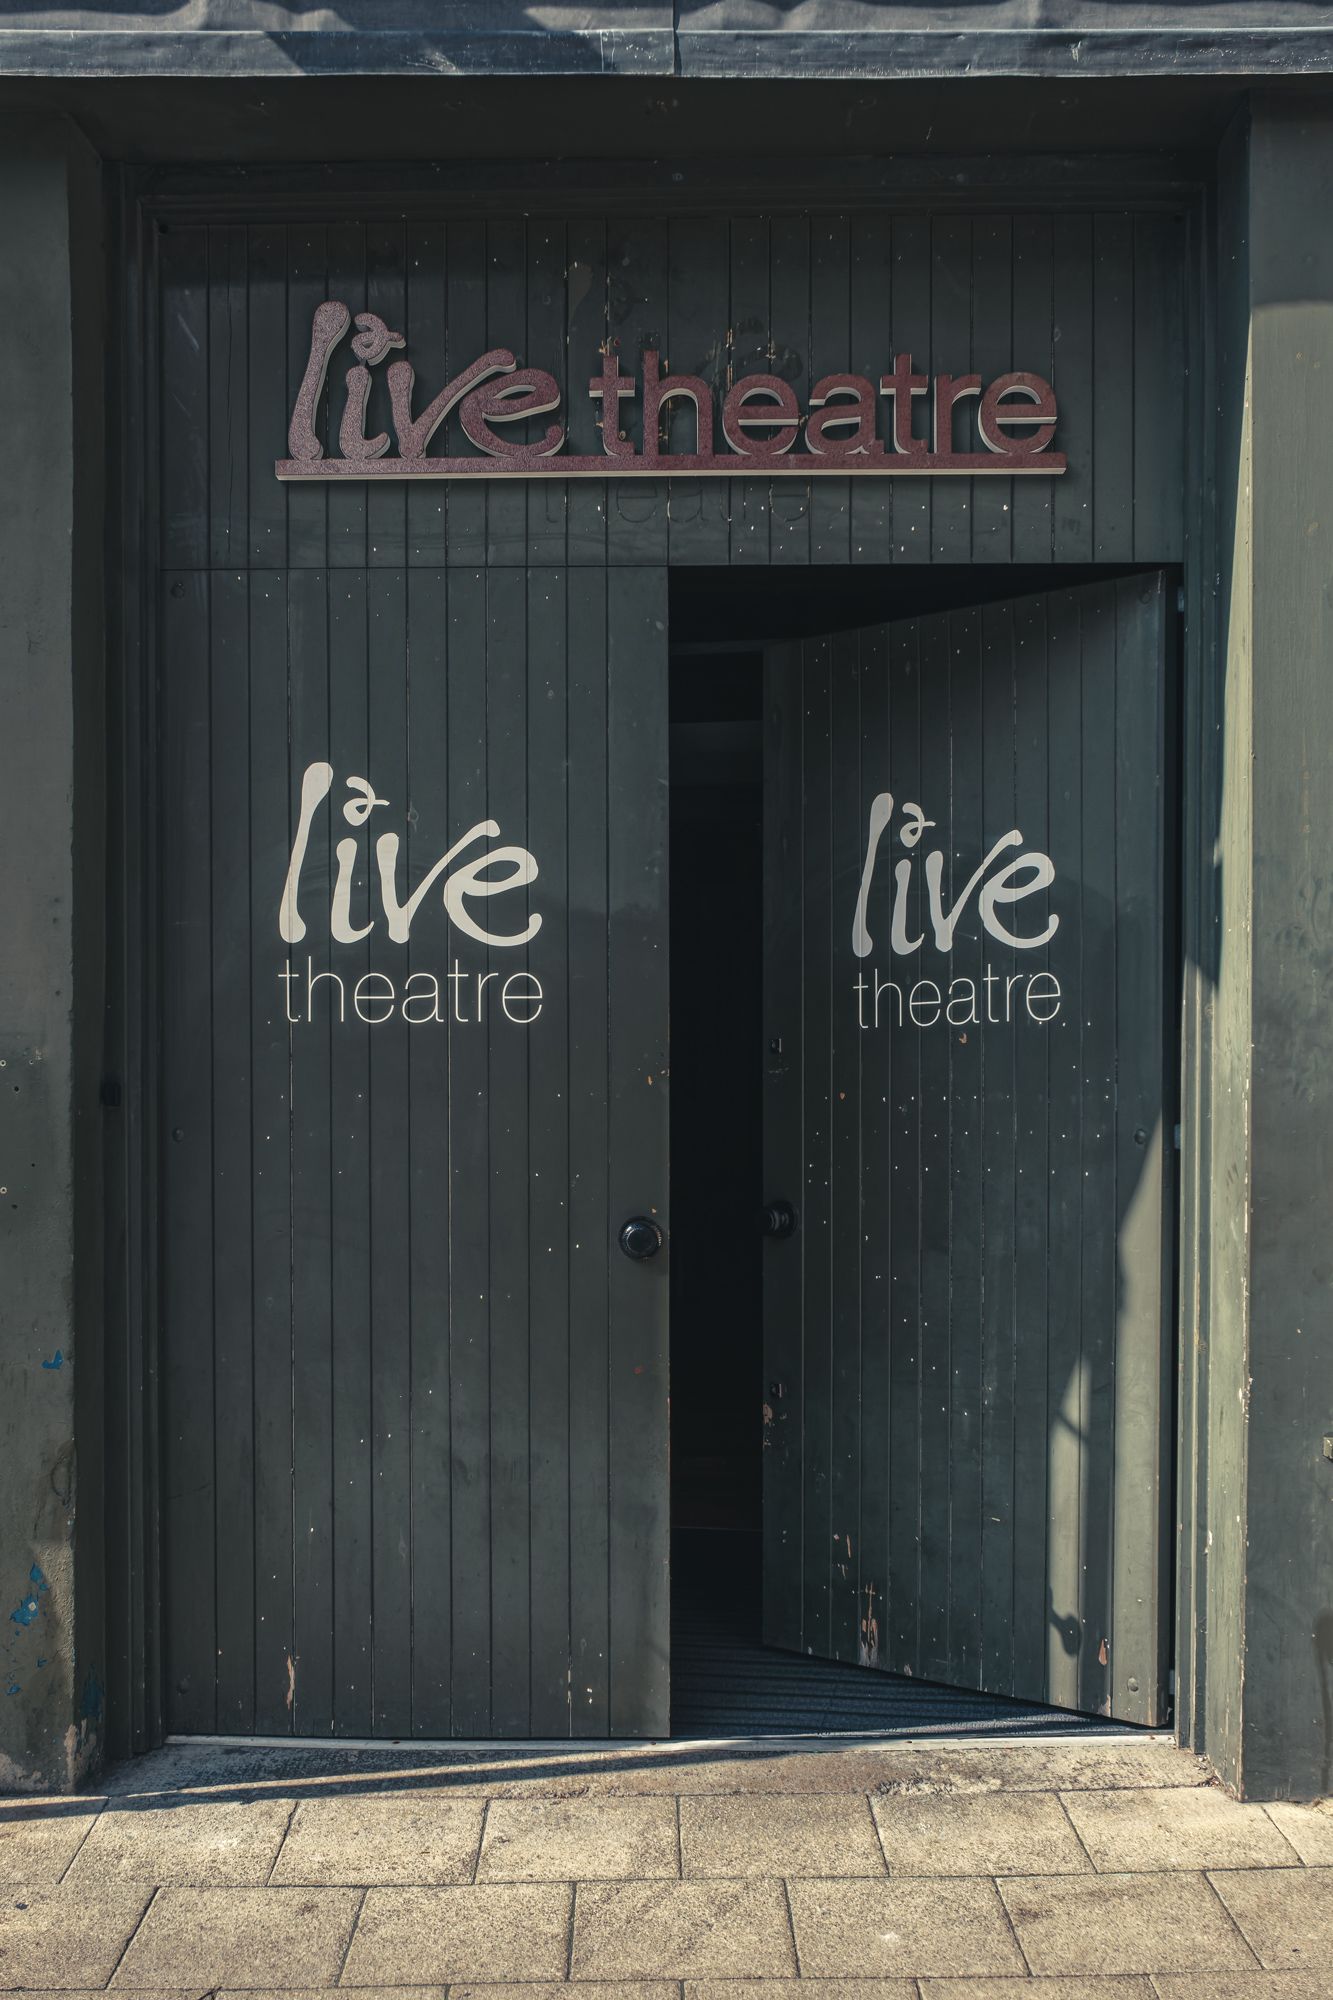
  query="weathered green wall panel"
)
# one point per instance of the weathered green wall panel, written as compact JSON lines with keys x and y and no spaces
{"x":1259,"y":1491}
{"x":51,"y":1664}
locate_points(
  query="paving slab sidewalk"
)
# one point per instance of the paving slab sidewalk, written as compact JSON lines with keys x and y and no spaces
{"x":837,"y":1871}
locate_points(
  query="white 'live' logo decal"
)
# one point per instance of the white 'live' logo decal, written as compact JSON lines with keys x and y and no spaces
{"x":463,"y":882}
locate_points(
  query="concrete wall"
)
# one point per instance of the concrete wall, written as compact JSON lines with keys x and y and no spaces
{"x":1260,"y":1336}
{"x":51,"y":729}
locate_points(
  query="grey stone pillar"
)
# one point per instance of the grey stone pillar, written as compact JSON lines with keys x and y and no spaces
{"x":52,"y":725}
{"x":1257,"y":1485}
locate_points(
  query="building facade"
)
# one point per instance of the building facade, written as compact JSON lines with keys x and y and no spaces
{"x":666,"y":792}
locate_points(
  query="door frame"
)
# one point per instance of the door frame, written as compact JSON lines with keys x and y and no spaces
{"x":139,"y":201}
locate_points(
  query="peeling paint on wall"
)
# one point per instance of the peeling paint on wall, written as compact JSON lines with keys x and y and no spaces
{"x":26,"y":1612}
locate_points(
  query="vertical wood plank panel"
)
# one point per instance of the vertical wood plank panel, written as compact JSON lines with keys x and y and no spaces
{"x":871,"y":259}
{"x":1032,"y":499}
{"x":1032,"y":1416}
{"x":315,"y":1494}
{"x":506,"y":316}
{"x":393,"y":1111}
{"x":876,"y":1183}
{"x":911,"y":305}
{"x":266,"y":371}
{"x":547,"y":258}
{"x":549,"y":1157}
{"x":992,"y":355}
{"x":590,"y":1216}
{"x":469,"y":1200}
{"x":784,"y":1153}
{"x":844,"y":1128}
{"x":1114,"y":387}
{"x":427,"y":335}
{"x":184,"y":360}
{"x":638,"y":1059}
{"x":637,"y":289}
{"x":906,"y":1362}
{"x":429,"y":1143}
{"x":951,"y":354}
{"x":962,"y":1038}
{"x":509,"y":1187}
{"x":750,"y":337}
{"x":232,"y":976}
{"x":586,"y":331}
{"x":790,"y":507}
{"x":1001,"y":1170}
{"x":347,"y":499}
{"x":817,"y":1196}
{"x":699,"y":316}
{"x":386,"y":294}
{"x":1072,"y":379}
{"x":228,"y":389}
{"x":188,"y":1446}
{"x":349,"y":1186}
{"x":936,"y":1239}
{"x":1159,"y":416}
{"x":273,"y":1222}
{"x":1066,"y":1302}
{"x":830,"y":353}
{"x":1143,"y":1139}
{"x":307,"y":287}
{"x":1098,"y":1119}
{"x":465,"y":272}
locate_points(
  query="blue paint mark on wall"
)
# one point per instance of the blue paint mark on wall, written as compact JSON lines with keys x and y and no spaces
{"x":26,"y":1612}
{"x":57,"y":1360}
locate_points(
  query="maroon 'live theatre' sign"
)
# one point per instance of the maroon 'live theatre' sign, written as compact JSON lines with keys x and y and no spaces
{"x":763,"y":427}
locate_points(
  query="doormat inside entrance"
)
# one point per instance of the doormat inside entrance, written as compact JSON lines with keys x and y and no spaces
{"x":724,"y":1682}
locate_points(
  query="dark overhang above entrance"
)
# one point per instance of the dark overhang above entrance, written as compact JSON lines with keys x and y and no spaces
{"x":690,"y":38}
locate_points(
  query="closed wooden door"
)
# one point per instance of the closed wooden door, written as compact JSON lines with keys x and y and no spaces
{"x":966,"y":1337}
{"x":414,"y":1003}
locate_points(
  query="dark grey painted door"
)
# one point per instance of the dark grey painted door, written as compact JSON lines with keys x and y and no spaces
{"x":966,"y":1352}
{"x":414,"y":966}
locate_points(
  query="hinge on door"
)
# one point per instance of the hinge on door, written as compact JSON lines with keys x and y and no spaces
{"x":1180,"y":599}
{"x":1175,"y":1137}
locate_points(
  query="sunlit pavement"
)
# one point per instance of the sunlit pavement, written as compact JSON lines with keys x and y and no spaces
{"x":1092,"y":1870}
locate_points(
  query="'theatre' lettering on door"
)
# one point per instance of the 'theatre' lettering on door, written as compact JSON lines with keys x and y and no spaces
{"x":759,"y":427}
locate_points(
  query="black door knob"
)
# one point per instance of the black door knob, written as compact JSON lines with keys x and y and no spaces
{"x":779,"y":1219}
{"x":640,"y":1238}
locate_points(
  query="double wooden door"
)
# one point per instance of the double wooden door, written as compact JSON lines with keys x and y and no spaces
{"x":414,"y":1473}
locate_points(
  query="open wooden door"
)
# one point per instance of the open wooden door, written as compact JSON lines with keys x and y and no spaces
{"x":967,"y":1472}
